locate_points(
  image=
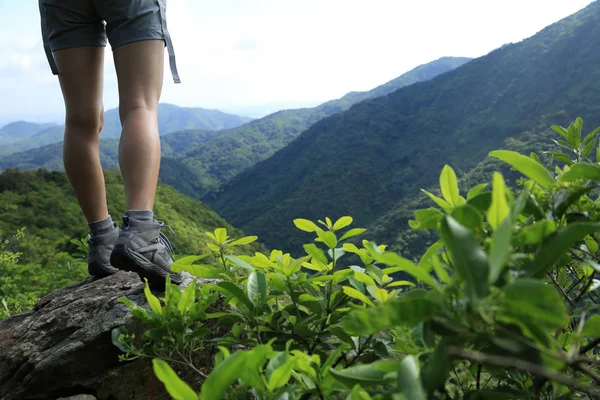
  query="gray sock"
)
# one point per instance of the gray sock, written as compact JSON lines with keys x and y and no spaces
{"x":100,"y":227}
{"x":140,"y":215}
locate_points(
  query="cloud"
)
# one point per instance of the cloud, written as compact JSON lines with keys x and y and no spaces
{"x":240,"y":53}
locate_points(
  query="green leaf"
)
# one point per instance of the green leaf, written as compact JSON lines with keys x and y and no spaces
{"x":201,"y":271}
{"x":469,"y":259}
{"x":535,"y":233}
{"x":409,"y":379}
{"x":526,"y":166}
{"x":560,"y":130}
{"x":533,"y":302}
{"x":574,"y":135}
{"x":535,"y":157}
{"x":409,"y":309}
{"x":244,"y":240}
{"x":221,"y":235}
{"x":560,"y":156}
{"x":557,"y":244}
{"x":177,"y":388}
{"x":499,"y":209}
{"x":315,"y":252}
{"x":438,"y":366}
{"x":444,"y":205}
{"x":257,"y":288}
{"x":352,"y":232}
{"x":428,"y":218}
{"x":476,"y":190}
{"x":358,"y":393}
{"x":328,"y":238}
{"x":187,"y":298}
{"x":466,"y":215}
{"x":153,"y":301}
{"x":591,"y":244}
{"x":500,"y":249}
{"x":223,"y":376}
{"x":587,"y":150}
{"x":342,"y":223}
{"x":449,"y":186}
{"x":364,"y":278}
{"x":237,"y":293}
{"x":238,"y":262}
{"x":305,"y":225}
{"x":591,"y":328}
{"x":591,"y":135}
{"x":180,"y":264}
{"x":582,"y":170}
{"x":432,"y":251}
{"x":402,"y":264}
{"x":365,"y":374}
{"x":355,"y":294}
{"x":281,"y":370}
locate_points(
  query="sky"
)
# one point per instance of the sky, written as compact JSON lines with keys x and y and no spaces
{"x":254,"y":56}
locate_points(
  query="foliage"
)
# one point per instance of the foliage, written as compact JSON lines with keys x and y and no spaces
{"x":44,"y":203}
{"x":53,"y":254}
{"x":504,"y":305}
{"x":21,"y":285}
{"x":377,"y":155}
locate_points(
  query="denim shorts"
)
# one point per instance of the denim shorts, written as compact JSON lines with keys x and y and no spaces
{"x":75,"y":23}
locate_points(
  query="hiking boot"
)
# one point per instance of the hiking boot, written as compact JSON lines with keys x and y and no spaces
{"x":99,"y":249}
{"x":144,"y":249}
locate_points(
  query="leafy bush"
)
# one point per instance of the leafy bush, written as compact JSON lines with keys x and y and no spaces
{"x":504,"y":305}
{"x":21,"y":285}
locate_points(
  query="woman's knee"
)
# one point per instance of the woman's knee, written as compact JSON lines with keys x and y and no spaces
{"x":89,"y":120}
{"x":137,"y":110}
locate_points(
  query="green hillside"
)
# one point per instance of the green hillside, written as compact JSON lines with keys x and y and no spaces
{"x":367,"y":160}
{"x":209,"y":158}
{"x":19,"y":131}
{"x":171,"y":118}
{"x":50,"y":156}
{"x":44,"y":203}
{"x":234,"y":151}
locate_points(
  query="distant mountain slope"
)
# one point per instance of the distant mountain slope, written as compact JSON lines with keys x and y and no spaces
{"x":232,"y":152}
{"x":171,"y":118}
{"x":44,"y":203}
{"x":209,"y":159}
{"x":50,"y":156}
{"x":18,"y":131}
{"x":367,"y":160}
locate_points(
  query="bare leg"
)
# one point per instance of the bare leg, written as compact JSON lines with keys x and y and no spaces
{"x":81,"y":81}
{"x":139,"y":68}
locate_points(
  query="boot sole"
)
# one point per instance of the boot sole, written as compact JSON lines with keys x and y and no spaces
{"x":126,"y":259}
{"x":100,"y":271}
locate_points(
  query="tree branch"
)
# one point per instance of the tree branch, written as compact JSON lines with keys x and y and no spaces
{"x":534,"y":369}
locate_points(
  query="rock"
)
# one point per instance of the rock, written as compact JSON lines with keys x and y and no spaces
{"x":63,"y":347}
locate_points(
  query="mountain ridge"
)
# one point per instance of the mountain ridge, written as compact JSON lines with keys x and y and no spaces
{"x":209,"y":159}
{"x":171,"y":118}
{"x":364,"y":161}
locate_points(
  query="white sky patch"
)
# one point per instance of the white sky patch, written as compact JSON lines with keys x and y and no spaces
{"x":234,"y":54}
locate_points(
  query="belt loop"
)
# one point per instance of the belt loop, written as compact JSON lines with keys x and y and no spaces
{"x":168,"y":41}
{"x":46,"y":38}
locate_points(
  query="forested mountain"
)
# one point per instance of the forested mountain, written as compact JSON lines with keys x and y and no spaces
{"x":18,"y":131}
{"x":24,"y":136}
{"x":44,"y":203}
{"x":207,"y":159}
{"x":375,"y":156}
{"x":219,"y":160}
